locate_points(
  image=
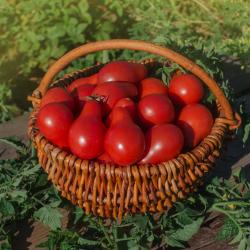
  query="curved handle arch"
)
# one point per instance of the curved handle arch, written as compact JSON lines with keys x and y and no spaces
{"x":140,"y":46}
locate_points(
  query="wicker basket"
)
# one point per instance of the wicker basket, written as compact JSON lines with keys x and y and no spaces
{"x":112,"y":191}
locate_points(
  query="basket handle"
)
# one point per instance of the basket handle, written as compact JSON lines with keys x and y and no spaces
{"x":141,"y":46}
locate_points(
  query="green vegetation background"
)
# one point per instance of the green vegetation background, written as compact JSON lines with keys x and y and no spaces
{"x":35,"y":33}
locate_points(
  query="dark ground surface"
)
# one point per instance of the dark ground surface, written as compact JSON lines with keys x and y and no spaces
{"x":32,"y":233}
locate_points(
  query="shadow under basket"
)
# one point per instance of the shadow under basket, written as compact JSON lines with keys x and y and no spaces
{"x":108,"y":190}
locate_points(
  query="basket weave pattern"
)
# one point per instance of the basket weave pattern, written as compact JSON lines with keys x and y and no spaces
{"x":108,"y":190}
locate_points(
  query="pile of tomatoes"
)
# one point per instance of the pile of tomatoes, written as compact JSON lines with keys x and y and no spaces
{"x":121,"y":115}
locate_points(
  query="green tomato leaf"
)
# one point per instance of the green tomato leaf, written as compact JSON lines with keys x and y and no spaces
{"x":6,"y":208}
{"x":18,"y":195}
{"x":246,"y":133}
{"x":243,"y":245}
{"x":86,"y":242}
{"x":49,"y":216}
{"x":188,"y":231}
{"x":173,"y":242}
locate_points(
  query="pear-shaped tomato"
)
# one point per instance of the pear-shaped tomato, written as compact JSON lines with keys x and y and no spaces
{"x":163,"y":143}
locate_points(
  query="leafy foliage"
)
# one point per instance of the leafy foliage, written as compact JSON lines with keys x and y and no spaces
{"x":231,"y":198}
{"x":222,"y":24}
{"x":23,"y":190}
{"x":35,"y":33}
{"x":7,"y":110}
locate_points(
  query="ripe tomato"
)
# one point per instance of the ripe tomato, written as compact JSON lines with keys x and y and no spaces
{"x":118,"y":71}
{"x":86,"y":135}
{"x":141,"y":71}
{"x":185,"y":89}
{"x":196,"y":122}
{"x":54,"y":121}
{"x":105,"y":158}
{"x":156,"y":109}
{"x":58,"y":95}
{"x":82,"y":92}
{"x":118,"y":114}
{"x":93,"y":79}
{"x":124,"y":140}
{"x":129,"y":105}
{"x":163,"y":143}
{"x":114,"y":91}
{"x":150,"y":86}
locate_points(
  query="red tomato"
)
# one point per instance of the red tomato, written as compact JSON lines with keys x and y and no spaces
{"x":86,"y":135}
{"x":156,"y":109}
{"x":118,"y":114}
{"x":150,"y":86}
{"x":93,"y":79}
{"x":92,"y":108}
{"x":105,"y":158}
{"x":196,"y":122}
{"x":163,"y":143}
{"x":54,"y":121}
{"x":129,"y":88}
{"x":124,"y":140}
{"x":82,"y":92}
{"x":129,"y":105}
{"x":185,"y":89}
{"x":58,"y":95}
{"x":118,"y":71}
{"x":114,"y":91}
{"x":141,"y":71}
